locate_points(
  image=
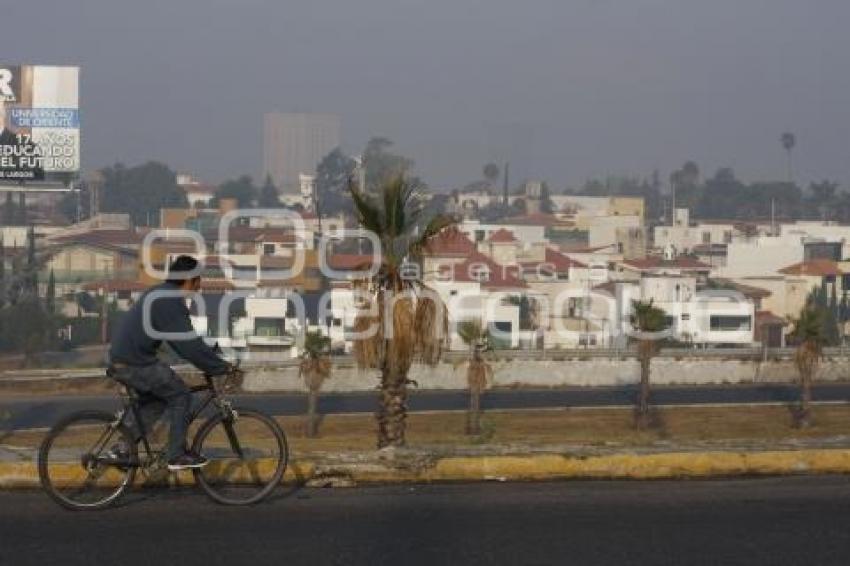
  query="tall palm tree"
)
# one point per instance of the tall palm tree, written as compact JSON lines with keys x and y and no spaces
{"x":810,"y":338}
{"x":314,"y":369}
{"x":478,"y":371}
{"x":647,"y":320}
{"x":789,"y":140}
{"x":402,"y":320}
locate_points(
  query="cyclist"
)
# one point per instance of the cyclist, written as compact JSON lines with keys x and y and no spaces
{"x":161,"y":315}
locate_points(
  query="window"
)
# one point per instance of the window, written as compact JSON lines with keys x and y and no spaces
{"x":504,"y":326}
{"x":479,"y":235}
{"x":706,"y":237}
{"x":728,"y":323}
{"x":727,"y":236}
{"x":264,"y":326}
{"x":479,"y":272}
{"x":268,"y":249}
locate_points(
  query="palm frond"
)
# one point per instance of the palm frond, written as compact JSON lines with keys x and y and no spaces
{"x":401,"y":346}
{"x":367,"y":211}
{"x":431,"y":327}
{"x":432,"y":228}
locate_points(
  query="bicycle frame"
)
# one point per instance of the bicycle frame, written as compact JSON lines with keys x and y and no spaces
{"x":213,"y":397}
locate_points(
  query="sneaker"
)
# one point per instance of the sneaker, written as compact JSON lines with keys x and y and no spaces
{"x":187,"y":461}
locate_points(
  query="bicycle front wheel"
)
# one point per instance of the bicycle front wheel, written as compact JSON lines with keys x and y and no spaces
{"x":248,"y":455}
{"x":87,"y":460}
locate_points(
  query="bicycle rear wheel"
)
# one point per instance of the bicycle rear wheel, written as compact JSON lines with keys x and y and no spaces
{"x":248,"y":455}
{"x":87,"y":461}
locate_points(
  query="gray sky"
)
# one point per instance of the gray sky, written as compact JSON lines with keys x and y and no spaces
{"x":571,"y":88}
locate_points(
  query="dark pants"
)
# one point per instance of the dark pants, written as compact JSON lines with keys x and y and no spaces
{"x":160,"y":390}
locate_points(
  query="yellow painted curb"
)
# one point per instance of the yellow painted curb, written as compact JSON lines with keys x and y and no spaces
{"x":644,"y":466}
{"x":535,"y":467}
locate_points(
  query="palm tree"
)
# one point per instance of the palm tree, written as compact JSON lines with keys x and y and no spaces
{"x":402,"y":320}
{"x":478,"y":372}
{"x":789,"y":140}
{"x":314,"y":369}
{"x":809,"y":335}
{"x":647,"y":320}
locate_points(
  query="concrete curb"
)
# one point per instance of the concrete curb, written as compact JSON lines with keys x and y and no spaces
{"x":395,"y":468}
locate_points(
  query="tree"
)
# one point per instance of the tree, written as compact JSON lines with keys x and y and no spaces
{"x":50,"y":295}
{"x":491,"y":174}
{"x":789,"y":141}
{"x":269,"y":197}
{"x":9,"y":213}
{"x":21,"y":216}
{"x":823,"y":199}
{"x":383,"y":167}
{"x":685,"y":187}
{"x":808,"y":335}
{"x":478,"y":372}
{"x":140,"y":191}
{"x":333,"y":174}
{"x":30,"y":281}
{"x":314,"y":369}
{"x":402,"y":320}
{"x":647,"y":321}
{"x":241,"y":189}
{"x":30,"y":333}
{"x":2,"y":273}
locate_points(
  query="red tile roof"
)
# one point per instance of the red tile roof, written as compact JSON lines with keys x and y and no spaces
{"x":122,"y":238}
{"x":767,"y":317}
{"x":502,"y":236}
{"x":538,"y":219}
{"x":501,"y":276}
{"x":682,"y":262}
{"x":554,"y":258}
{"x":216,"y":285}
{"x":115,"y":285}
{"x":350,"y":262}
{"x":254,"y":234}
{"x":450,"y":242}
{"x":749,"y":291}
{"x":816,"y":267}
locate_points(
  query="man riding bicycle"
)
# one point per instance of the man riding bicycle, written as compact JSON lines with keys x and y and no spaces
{"x":161,"y":315}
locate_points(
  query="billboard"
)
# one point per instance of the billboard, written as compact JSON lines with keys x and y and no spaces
{"x":39,"y":122}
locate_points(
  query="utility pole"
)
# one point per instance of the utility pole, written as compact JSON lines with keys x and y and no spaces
{"x":506,"y":183}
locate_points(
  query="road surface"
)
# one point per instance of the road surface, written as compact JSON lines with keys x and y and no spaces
{"x":42,"y":411}
{"x":750,"y":522}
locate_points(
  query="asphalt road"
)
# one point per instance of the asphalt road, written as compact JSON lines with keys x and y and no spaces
{"x":750,"y":522}
{"x":42,"y":411}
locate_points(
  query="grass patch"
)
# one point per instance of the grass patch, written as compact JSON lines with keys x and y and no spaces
{"x":580,"y":427}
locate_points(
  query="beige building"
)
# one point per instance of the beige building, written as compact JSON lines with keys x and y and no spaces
{"x":294,"y":144}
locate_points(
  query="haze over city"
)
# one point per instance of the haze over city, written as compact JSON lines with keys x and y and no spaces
{"x":564,"y":90}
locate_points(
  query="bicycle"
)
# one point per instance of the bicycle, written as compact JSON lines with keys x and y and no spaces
{"x":79,"y":468}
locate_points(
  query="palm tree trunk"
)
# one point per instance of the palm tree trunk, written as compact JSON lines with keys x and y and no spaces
{"x":311,"y":427}
{"x":473,"y":417}
{"x":804,"y":417}
{"x":643,"y":395}
{"x":392,"y":410}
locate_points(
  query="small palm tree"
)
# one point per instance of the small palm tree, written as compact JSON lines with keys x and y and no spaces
{"x":809,"y":336}
{"x":647,"y":320}
{"x":478,"y":372}
{"x":403,"y":320}
{"x":314,"y":369}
